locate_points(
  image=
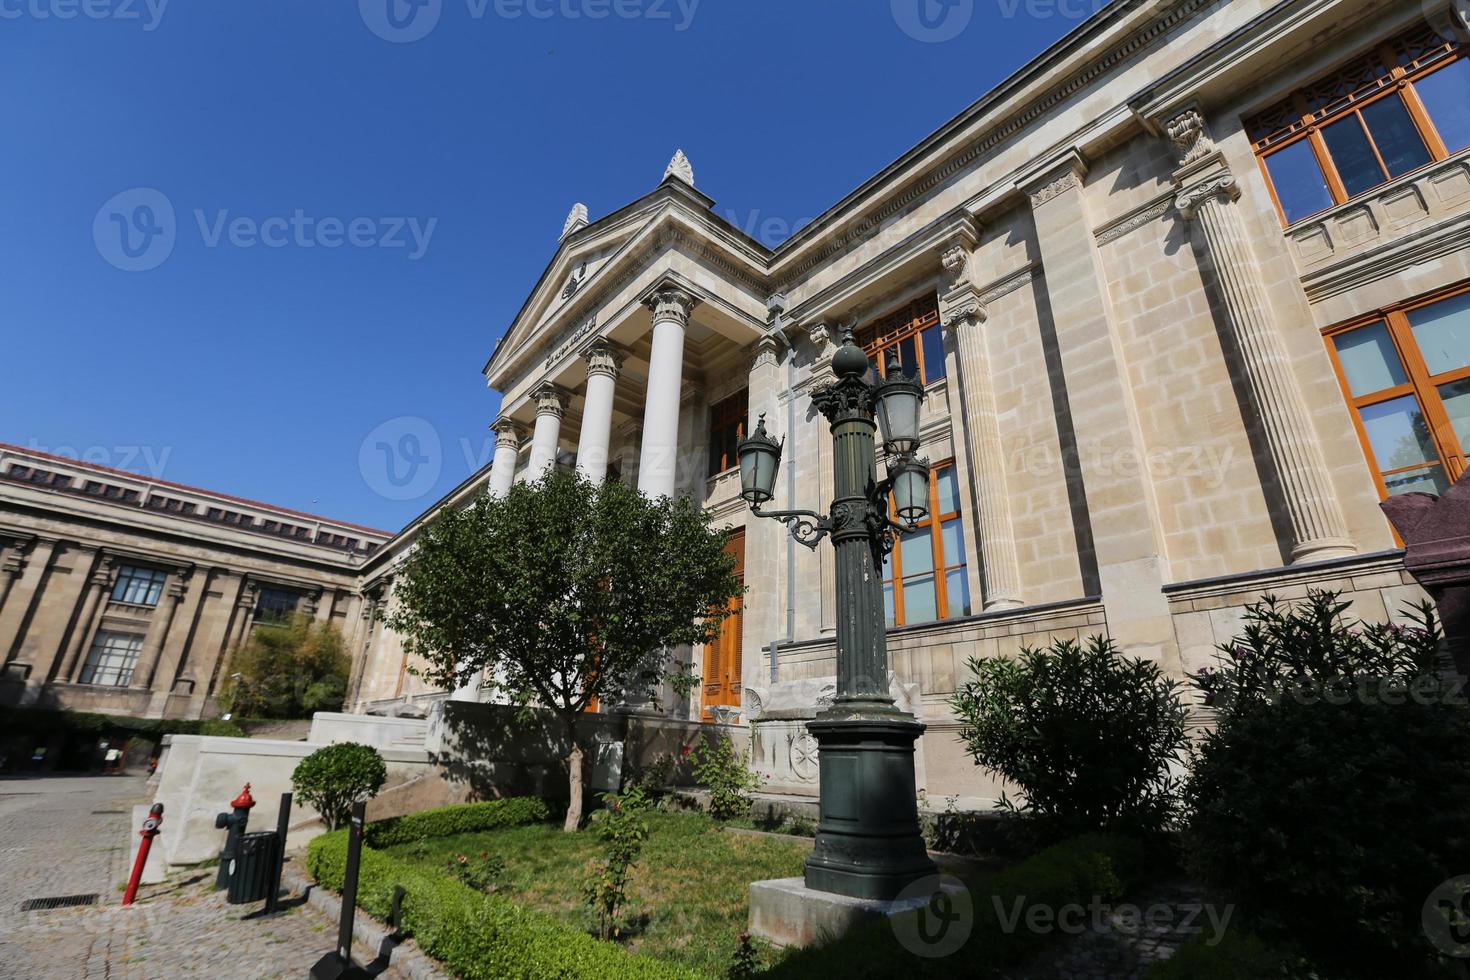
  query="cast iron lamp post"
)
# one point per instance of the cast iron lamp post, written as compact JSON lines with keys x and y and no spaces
{"x":868,"y":841}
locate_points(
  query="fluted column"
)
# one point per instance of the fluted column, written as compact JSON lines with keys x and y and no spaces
{"x":163,"y":619}
{"x":658,"y":461}
{"x":551,"y":406}
{"x":509,"y":434}
{"x":964,"y":314}
{"x":1207,"y":194}
{"x":87,"y":623}
{"x":604,"y":361}
{"x":823,"y":340}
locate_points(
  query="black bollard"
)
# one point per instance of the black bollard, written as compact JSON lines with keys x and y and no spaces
{"x":283,"y":821}
{"x":337,"y":965}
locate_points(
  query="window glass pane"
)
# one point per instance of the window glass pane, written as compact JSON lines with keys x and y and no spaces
{"x":1369,"y":360}
{"x":907,"y":357}
{"x":888,"y":567}
{"x":952,"y":540}
{"x":957,"y":585}
{"x":1429,"y":480}
{"x":888,"y":603}
{"x":933,"y":338}
{"x":1442,"y":331}
{"x":920,"y":602}
{"x":1351,"y":152}
{"x":1399,"y":143}
{"x":1398,"y":433}
{"x":112,"y":658}
{"x":949,"y":490}
{"x":918,"y":553}
{"x":1297,"y":177}
{"x":1456,"y":397}
{"x":1446,"y":94}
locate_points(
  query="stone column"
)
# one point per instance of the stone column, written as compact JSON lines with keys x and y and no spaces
{"x":1000,"y":569}
{"x":765,"y":541}
{"x":1207,"y":194}
{"x":604,"y":360}
{"x":551,"y":406}
{"x":823,"y":339}
{"x":163,"y":619}
{"x":658,"y":462}
{"x":88,"y":622}
{"x":509,"y":434}
{"x":175,"y":644}
{"x":11,"y":565}
{"x":1121,"y":505}
{"x":28,"y":571}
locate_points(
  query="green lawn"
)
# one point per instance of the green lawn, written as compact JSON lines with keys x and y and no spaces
{"x":691,"y":880}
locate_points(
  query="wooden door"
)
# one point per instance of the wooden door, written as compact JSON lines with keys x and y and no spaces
{"x":722,"y":657}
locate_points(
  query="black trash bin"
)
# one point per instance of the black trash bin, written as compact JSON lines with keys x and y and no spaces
{"x":253,"y":871}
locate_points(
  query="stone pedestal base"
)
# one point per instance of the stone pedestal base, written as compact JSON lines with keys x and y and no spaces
{"x":785,"y":912}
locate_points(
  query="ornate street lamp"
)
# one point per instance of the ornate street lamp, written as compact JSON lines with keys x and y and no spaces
{"x":868,"y":841}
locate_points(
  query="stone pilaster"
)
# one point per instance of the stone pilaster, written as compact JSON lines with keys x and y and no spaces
{"x":658,"y":463}
{"x":1207,"y":191}
{"x":551,"y":406}
{"x":604,"y":362}
{"x":824,"y":339}
{"x":99,"y":586}
{"x":29,"y":572}
{"x":509,"y":434}
{"x":963,"y":316}
{"x":174,"y":591}
{"x":187,"y":593}
{"x":1121,"y":505}
{"x":764,"y":540}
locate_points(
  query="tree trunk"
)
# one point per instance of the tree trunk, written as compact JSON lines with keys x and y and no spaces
{"x":574,"y":780}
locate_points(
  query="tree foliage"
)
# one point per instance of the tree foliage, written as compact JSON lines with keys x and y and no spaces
{"x":563,"y":592}
{"x":333,"y":778}
{"x":288,"y":670}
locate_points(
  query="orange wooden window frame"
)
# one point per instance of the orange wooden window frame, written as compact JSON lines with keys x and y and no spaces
{"x":728,"y":420}
{"x":1397,"y":82}
{"x":935,"y":522}
{"x":1420,"y":384}
{"x":896,"y":326}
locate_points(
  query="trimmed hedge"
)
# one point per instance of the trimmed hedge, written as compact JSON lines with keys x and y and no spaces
{"x":50,"y":721}
{"x":483,"y":937}
{"x":462,"y":818}
{"x":1237,"y":956}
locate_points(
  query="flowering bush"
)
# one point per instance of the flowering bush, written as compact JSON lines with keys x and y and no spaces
{"x":477,"y":871}
{"x":718,"y":766}
{"x":623,"y":828}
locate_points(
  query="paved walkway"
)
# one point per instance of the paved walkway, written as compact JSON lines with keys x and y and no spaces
{"x":70,"y":835}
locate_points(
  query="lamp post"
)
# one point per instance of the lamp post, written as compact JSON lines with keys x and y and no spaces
{"x":868,"y":840}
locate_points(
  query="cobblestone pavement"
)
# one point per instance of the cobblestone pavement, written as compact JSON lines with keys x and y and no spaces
{"x":69,"y":835}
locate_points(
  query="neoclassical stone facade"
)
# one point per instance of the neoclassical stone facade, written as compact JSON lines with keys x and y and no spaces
{"x":1187,"y":294}
{"x":127,"y":595}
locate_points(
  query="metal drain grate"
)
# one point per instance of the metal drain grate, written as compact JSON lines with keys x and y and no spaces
{"x":100,"y":812}
{"x":57,"y":902}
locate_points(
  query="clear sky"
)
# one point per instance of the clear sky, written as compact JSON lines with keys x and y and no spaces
{"x":357,"y":214}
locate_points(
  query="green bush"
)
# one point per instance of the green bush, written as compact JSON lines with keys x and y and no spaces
{"x":462,"y":818}
{"x":718,"y":766}
{"x":220,"y":727}
{"x":478,"y":936}
{"x":1329,"y":801}
{"x":1087,"y":735}
{"x":1237,"y":956}
{"x":333,"y":778}
{"x":623,"y":827}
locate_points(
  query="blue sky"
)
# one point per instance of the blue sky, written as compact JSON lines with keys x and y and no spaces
{"x":356,"y":216}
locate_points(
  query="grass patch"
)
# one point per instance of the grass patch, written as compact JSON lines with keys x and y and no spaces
{"x":691,"y":881}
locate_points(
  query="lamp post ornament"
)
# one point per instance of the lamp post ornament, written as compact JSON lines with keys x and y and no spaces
{"x":868,"y":840}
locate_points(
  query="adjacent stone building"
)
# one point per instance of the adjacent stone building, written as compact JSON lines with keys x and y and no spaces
{"x":1189,"y":294}
{"x":126,"y":595}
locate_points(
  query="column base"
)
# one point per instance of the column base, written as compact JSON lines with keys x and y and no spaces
{"x":785,"y":912}
{"x":869,"y":844}
{"x":1322,"y":549}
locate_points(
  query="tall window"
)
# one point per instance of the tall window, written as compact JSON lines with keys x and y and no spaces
{"x":139,"y":586}
{"x":914,"y":333}
{"x":727,"y":423}
{"x":924,"y":577}
{"x":112,"y":659}
{"x":1400,"y":106}
{"x":1406,"y":375}
{"x":275,"y":605}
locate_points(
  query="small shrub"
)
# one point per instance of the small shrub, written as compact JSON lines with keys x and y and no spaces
{"x":1088,"y":736}
{"x":744,"y":964}
{"x":1236,"y":956}
{"x":461,"y":818}
{"x":623,"y":829}
{"x":720,"y":768}
{"x":220,"y":727}
{"x":1329,"y":801}
{"x":333,"y":778}
{"x":480,"y":872}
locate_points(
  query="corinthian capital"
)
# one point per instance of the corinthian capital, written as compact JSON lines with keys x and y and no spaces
{"x":550,"y":400}
{"x":671,"y":303}
{"x":604,"y":357}
{"x":508,"y":432}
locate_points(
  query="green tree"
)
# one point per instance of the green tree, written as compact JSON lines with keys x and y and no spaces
{"x":288,"y":670}
{"x":333,"y":778}
{"x":563,"y":592}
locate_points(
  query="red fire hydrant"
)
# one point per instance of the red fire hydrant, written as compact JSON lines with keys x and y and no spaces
{"x":149,"y":831}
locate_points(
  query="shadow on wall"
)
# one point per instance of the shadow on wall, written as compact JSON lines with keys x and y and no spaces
{"x":489,"y":751}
